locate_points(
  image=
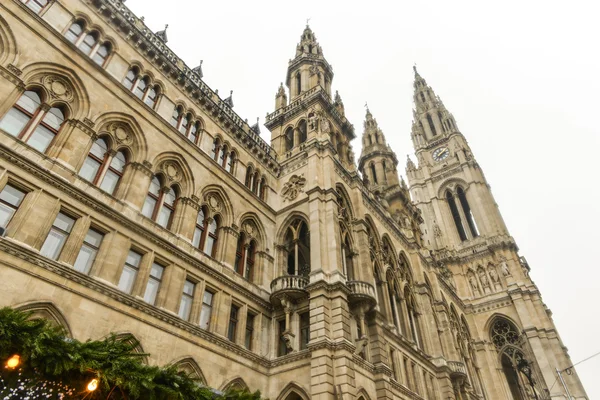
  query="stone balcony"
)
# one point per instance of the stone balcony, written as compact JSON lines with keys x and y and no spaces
{"x":457,"y":369}
{"x":290,"y":287}
{"x":361,"y":293}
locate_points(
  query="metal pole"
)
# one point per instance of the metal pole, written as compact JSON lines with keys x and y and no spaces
{"x":564,"y":384}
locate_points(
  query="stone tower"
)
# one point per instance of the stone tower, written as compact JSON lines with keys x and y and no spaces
{"x":470,"y":243}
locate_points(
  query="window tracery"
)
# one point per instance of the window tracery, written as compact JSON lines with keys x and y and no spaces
{"x":89,"y":42}
{"x":297,"y":248}
{"x":141,"y":86}
{"x":104,"y":166}
{"x":161,"y":201}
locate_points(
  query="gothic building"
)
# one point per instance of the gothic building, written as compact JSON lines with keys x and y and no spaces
{"x":133,"y":199}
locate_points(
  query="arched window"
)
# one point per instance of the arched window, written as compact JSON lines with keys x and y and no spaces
{"x":151,"y":96}
{"x":131,"y":78}
{"x":198,"y":239}
{"x":297,"y":246}
{"x":467,"y":211}
{"x":505,"y":337}
{"x":75,"y":31}
{"x":206,"y":232}
{"x":412,"y":317}
{"x":185,"y":124}
{"x":393,"y":297}
{"x":230,"y":162}
{"x":263,"y":188}
{"x":160,"y":203}
{"x":88,"y":42}
{"x":255,"y":182}
{"x":214,"y":153}
{"x":250,"y":257}
{"x":103,"y":169}
{"x":373,"y":173}
{"x":239,"y":254}
{"x":176,"y":116}
{"x":193,"y":135}
{"x":210,"y":246}
{"x":289,"y":138}
{"x":456,"y":216}
{"x":431,"y":125}
{"x":35,"y":5}
{"x":223,"y":156}
{"x":140,"y":89}
{"x":27,"y":121}
{"x":102,"y":53}
{"x":302,"y":133}
{"x":298,"y":83}
{"x":249,"y":176}
{"x":347,"y":259}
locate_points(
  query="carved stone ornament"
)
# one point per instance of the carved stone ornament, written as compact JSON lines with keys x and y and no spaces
{"x":120,"y":132}
{"x":249,"y":229}
{"x":171,"y":171}
{"x":58,"y":88}
{"x":214,"y":203}
{"x":293,"y":187}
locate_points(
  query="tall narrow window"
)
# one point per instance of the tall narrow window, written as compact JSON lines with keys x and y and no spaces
{"x":193,"y":135}
{"x":297,"y":245}
{"x":187,"y":298}
{"x":21,"y":113}
{"x":240,"y":254}
{"x":282,"y":348}
{"x":130,"y":270}
{"x":249,"y":175}
{"x":88,"y":251}
{"x":10,"y":200}
{"x":198,"y":239}
{"x":373,"y":173}
{"x":141,"y":87}
{"x":249,"y":337}
{"x":456,"y":216}
{"x":230,"y":161}
{"x":91,"y":166}
{"x":462,"y":197}
{"x":114,"y":173}
{"x":304,"y":330}
{"x":88,"y":42}
{"x":46,"y":130}
{"x":206,"y":312}
{"x":298,"y":84}
{"x":214,"y":153}
{"x":59,"y":232}
{"x":75,"y":31}
{"x":263,"y":188}
{"x":210,"y":246}
{"x":393,"y":364}
{"x":151,"y":96}
{"x":289,"y":138}
{"x":101,"y":54}
{"x":153,"y":285}
{"x":251,"y":253}
{"x":431,"y":125}
{"x":165,"y":216}
{"x":222,"y":156}
{"x":151,"y":202}
{"x":184,"y":124}
{"x":302,"y":133}
{"x":233,"y":322}
{"x":35,"y":5}
{"x":176,"y":116}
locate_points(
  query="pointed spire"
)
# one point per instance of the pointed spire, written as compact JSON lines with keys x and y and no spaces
{"x":229,"y":100}
{"x":198,"y":70}
{"x":162,"y":35}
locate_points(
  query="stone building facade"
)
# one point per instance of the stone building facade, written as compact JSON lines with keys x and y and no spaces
{"x":133,"y":199}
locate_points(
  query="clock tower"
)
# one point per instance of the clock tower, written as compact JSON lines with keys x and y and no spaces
{"x":448,"y":185}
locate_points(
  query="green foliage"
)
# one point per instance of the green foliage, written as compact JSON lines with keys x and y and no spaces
{"x":51,"y":360}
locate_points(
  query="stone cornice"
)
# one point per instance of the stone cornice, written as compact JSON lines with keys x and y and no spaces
{"x":90,"y":201}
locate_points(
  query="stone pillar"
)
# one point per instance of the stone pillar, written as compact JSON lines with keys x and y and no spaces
{"x":73,"y":143}
{"x":73,"y":244}
{"x":171,"y":288}
{"x":230,"y":238}
{"x":322,"y":374}
{"x":111,"y":257}
{"x":33,"y":219}
{"x":135,"y":184}
{"x":184,"y":220}
{"x":139,"y":286}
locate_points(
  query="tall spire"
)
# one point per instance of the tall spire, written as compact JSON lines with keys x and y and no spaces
{"x":431,"y":119}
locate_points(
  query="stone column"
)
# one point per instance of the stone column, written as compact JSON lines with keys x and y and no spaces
{"x":230,"y":237}
{"x":171,"y":288}
{"x":73,"y":244}
{"x":184,"y":220}
{"x":73,"y":143}
{"x":135,"y":184}
{"x":31,"y":222}
{"x":111,"y":257}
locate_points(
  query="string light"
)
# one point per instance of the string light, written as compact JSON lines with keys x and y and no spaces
{"x":93,"y":385}
{"x":13,"y":362}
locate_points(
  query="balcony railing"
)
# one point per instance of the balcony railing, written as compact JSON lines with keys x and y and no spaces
{"x":457,"y":368}
{"x":290,"y":286}
{"x":361,"y":292}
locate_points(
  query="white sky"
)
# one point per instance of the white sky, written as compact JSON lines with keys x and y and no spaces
{"x":520,"y":77}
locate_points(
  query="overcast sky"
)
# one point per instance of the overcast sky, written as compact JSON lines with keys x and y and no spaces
{"x":520,"y":77}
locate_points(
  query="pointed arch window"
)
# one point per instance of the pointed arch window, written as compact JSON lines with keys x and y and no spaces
{"x":467,"y":211}
{"x":30,"y":122}
{"x":198,"y":239}
{"x":298,"y":83}
{"x":230,"y":162}
{"x":456,"y":216}
{"x":103,"y":168}
{"x":249,"y":177}
{"x":297,"y":245}
{"x":289,"y":138}
{"x":206,"y":232}
{"x":223,"y":156}
{"x":373,"y":173}
{"x":239,"y":254}
{"x":244,"y":257}
{"x":214,"y":153}
{"x":160,"y":203}
{"x":212,"y":236}
{"x":302,"y":133}
{"x":431,"y":125}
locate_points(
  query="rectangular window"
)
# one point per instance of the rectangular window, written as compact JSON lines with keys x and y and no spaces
{"x":187,"y":297}
{"x":153,"y":286}
{"x":282,"y":347}
{"x":304,"y":330}
{"x":10,"y":200}
{"x":249,"y":331}
{"x":130,"y":270}
{"x":207,"y":301}
{"x":88,"y":251}
{"x":233,"y":321}
{"x":61,"y":228}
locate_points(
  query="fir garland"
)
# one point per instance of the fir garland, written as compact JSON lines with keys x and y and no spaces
{"x":53,"y":366}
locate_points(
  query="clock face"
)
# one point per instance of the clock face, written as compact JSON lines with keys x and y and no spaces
{"x":441,"y":154}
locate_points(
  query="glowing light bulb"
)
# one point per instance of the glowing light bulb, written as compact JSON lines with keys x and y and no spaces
{"x":93,"y":385}
{"x":13,"y":362}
